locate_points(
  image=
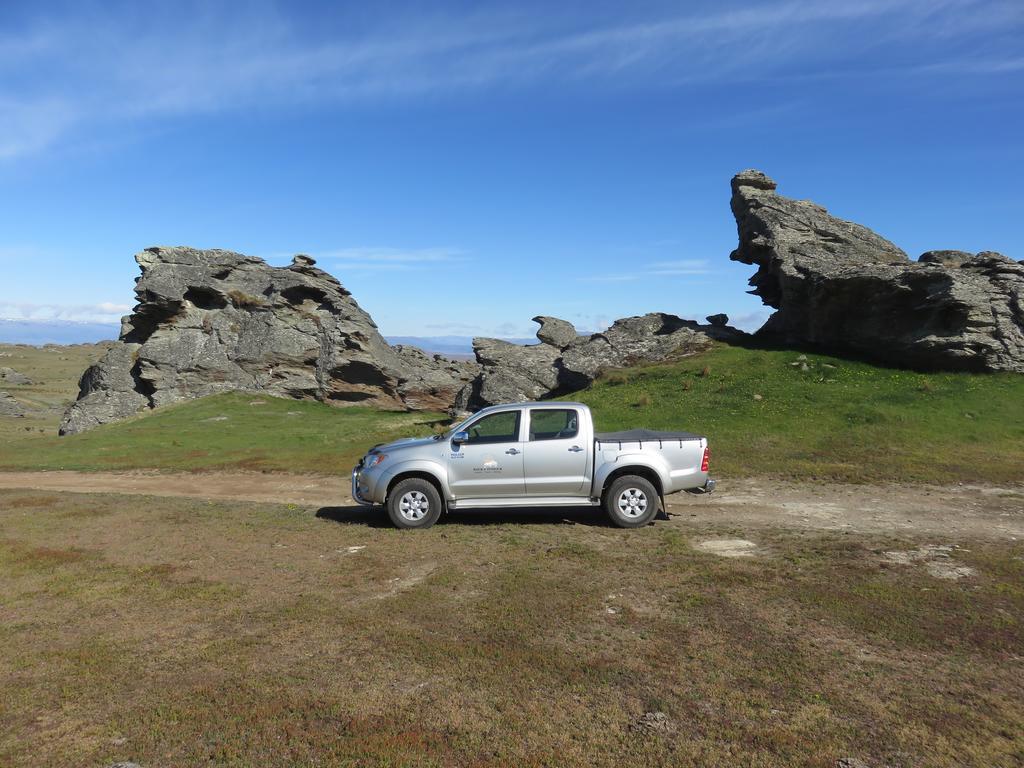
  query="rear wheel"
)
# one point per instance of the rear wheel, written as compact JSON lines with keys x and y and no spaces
{"x":414,"y":503}
{"x":631,"y":501}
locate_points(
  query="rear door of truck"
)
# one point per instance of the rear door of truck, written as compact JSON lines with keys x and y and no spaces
{"x":557,"y":453}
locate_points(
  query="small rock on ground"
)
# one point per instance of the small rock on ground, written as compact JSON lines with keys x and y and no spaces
{"x":10,"y":407}
{"x":11,"y":376}
{"x":653,"y":722}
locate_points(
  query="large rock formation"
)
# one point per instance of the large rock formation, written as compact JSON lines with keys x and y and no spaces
{"x":840,"y":286}
{"x":566,"y":362}
{"x":217,"y":321}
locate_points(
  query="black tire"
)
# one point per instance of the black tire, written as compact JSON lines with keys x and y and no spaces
{"x":631,"y":501}
{"x":414,"y":503}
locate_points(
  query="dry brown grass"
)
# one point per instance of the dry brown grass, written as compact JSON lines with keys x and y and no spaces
{"x":176,"y":632}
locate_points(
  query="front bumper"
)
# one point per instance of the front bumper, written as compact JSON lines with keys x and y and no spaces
{"x":356,"y":496}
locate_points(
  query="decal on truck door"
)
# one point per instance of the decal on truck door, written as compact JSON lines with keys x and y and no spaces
{"x":490,"y":465}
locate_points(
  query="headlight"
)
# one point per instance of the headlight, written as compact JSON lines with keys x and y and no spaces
{"x":374,"y":460}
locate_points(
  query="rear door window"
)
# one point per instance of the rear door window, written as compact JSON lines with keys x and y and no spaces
{"x":554,"y":424}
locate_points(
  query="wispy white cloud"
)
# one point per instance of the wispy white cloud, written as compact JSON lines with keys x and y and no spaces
{"x":101,"y":65}
{"x":750,"y":321}
{"x":676,"y":268}
{"x":104,"y":312}
{"x":384,"y":258}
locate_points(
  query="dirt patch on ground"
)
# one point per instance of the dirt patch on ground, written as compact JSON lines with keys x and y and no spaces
{"x":727,"y":547}
{"x":936,"y":559}
{"x":306,"y":490}
{"x":953,"y":512}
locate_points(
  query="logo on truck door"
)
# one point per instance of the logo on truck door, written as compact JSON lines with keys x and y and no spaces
{"x":490,"y":465}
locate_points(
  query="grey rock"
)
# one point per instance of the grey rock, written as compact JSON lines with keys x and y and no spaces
{"x":556,"y":332}
{"x":653,"y":722}
{"x":10,"y":407}
{"x":651,"y":338}
{"x":839,"y":286}
{"x":720,"y":320}
{"x":11,"y":376}
{"x":514,"y":372}
{"x":945,"y":258}
{"x":216,"y":321}
{"x":511,"y":373}
{"x":851,"y":762}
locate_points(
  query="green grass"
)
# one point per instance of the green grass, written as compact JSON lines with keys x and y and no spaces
{"x":183,"y":632}
{"x":837,"y":420}
{"x":230,"y":431}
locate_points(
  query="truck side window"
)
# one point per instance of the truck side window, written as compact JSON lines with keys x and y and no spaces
{"x":497,"y":428}
{"x":552,"y":424}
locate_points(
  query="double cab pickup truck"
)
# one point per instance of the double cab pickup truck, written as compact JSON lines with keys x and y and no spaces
{"x":541,"y":454}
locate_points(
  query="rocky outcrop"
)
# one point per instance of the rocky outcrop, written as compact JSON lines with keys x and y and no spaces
{"x":216,"y":321}
{"x":555,"y":332}
{"x":840,"y":286}
{"x":565,"y":362}
{"x":10,"y":407}
{"x":11,"y":376}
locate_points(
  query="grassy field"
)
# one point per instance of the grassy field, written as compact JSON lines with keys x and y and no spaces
{"x":55,"y":371}
{"x":236,"y":431}
{"x":178,"y":632}
{"x":780,"y":413}
{"x":768,"y":413}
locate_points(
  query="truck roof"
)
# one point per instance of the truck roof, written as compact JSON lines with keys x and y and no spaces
{"x":535,"y":404}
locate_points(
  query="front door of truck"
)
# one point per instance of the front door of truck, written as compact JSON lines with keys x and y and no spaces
{"x":556,"y":459}
{"x":490,"y":463}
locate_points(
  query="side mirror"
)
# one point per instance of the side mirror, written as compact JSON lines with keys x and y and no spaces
{"x":460,"y":437}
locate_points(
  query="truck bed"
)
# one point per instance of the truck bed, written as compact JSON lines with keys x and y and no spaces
{"x":644,"y":436}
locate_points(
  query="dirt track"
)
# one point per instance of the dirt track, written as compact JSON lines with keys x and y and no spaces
{"x":958,"y":511}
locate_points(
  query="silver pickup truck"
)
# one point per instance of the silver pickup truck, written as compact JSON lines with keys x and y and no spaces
{"x":541,"y":454}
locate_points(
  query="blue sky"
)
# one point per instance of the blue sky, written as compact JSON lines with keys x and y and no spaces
{"x":463,"y":167}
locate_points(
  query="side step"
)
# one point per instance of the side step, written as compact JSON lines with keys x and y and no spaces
{"x":524,"y":501}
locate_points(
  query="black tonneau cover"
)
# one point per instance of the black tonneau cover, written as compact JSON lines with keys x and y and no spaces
{"x":644,"y":436}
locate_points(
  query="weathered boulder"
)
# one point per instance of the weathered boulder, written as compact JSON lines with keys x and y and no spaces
{"x":840,"y":286}
{"x":10,"y":407}
{"x":556,"y":332}
{"x":564,"y":363}
{"x":216,"y":321}
{"x":511,"y":373}
{"x":650,"y":338}
{"x":11,"y":376}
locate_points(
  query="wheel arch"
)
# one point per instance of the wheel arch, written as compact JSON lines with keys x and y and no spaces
{"x":420,"y":474}
{"x":640,"y":470}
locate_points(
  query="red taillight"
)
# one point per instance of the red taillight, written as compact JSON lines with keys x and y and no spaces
{"x":706,"y":460}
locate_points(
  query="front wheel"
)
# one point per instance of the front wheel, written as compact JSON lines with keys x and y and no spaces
{"x":631,"y":501}
{"x":414,"y":503}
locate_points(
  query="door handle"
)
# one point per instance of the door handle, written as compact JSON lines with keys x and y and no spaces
{"x":575,"y":449}
{"x":512,"y":452}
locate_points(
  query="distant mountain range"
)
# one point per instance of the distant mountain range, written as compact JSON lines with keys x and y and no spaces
{"x":446,"y":345}
{"x":55,"y":332}
{"x":67,"y":332}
